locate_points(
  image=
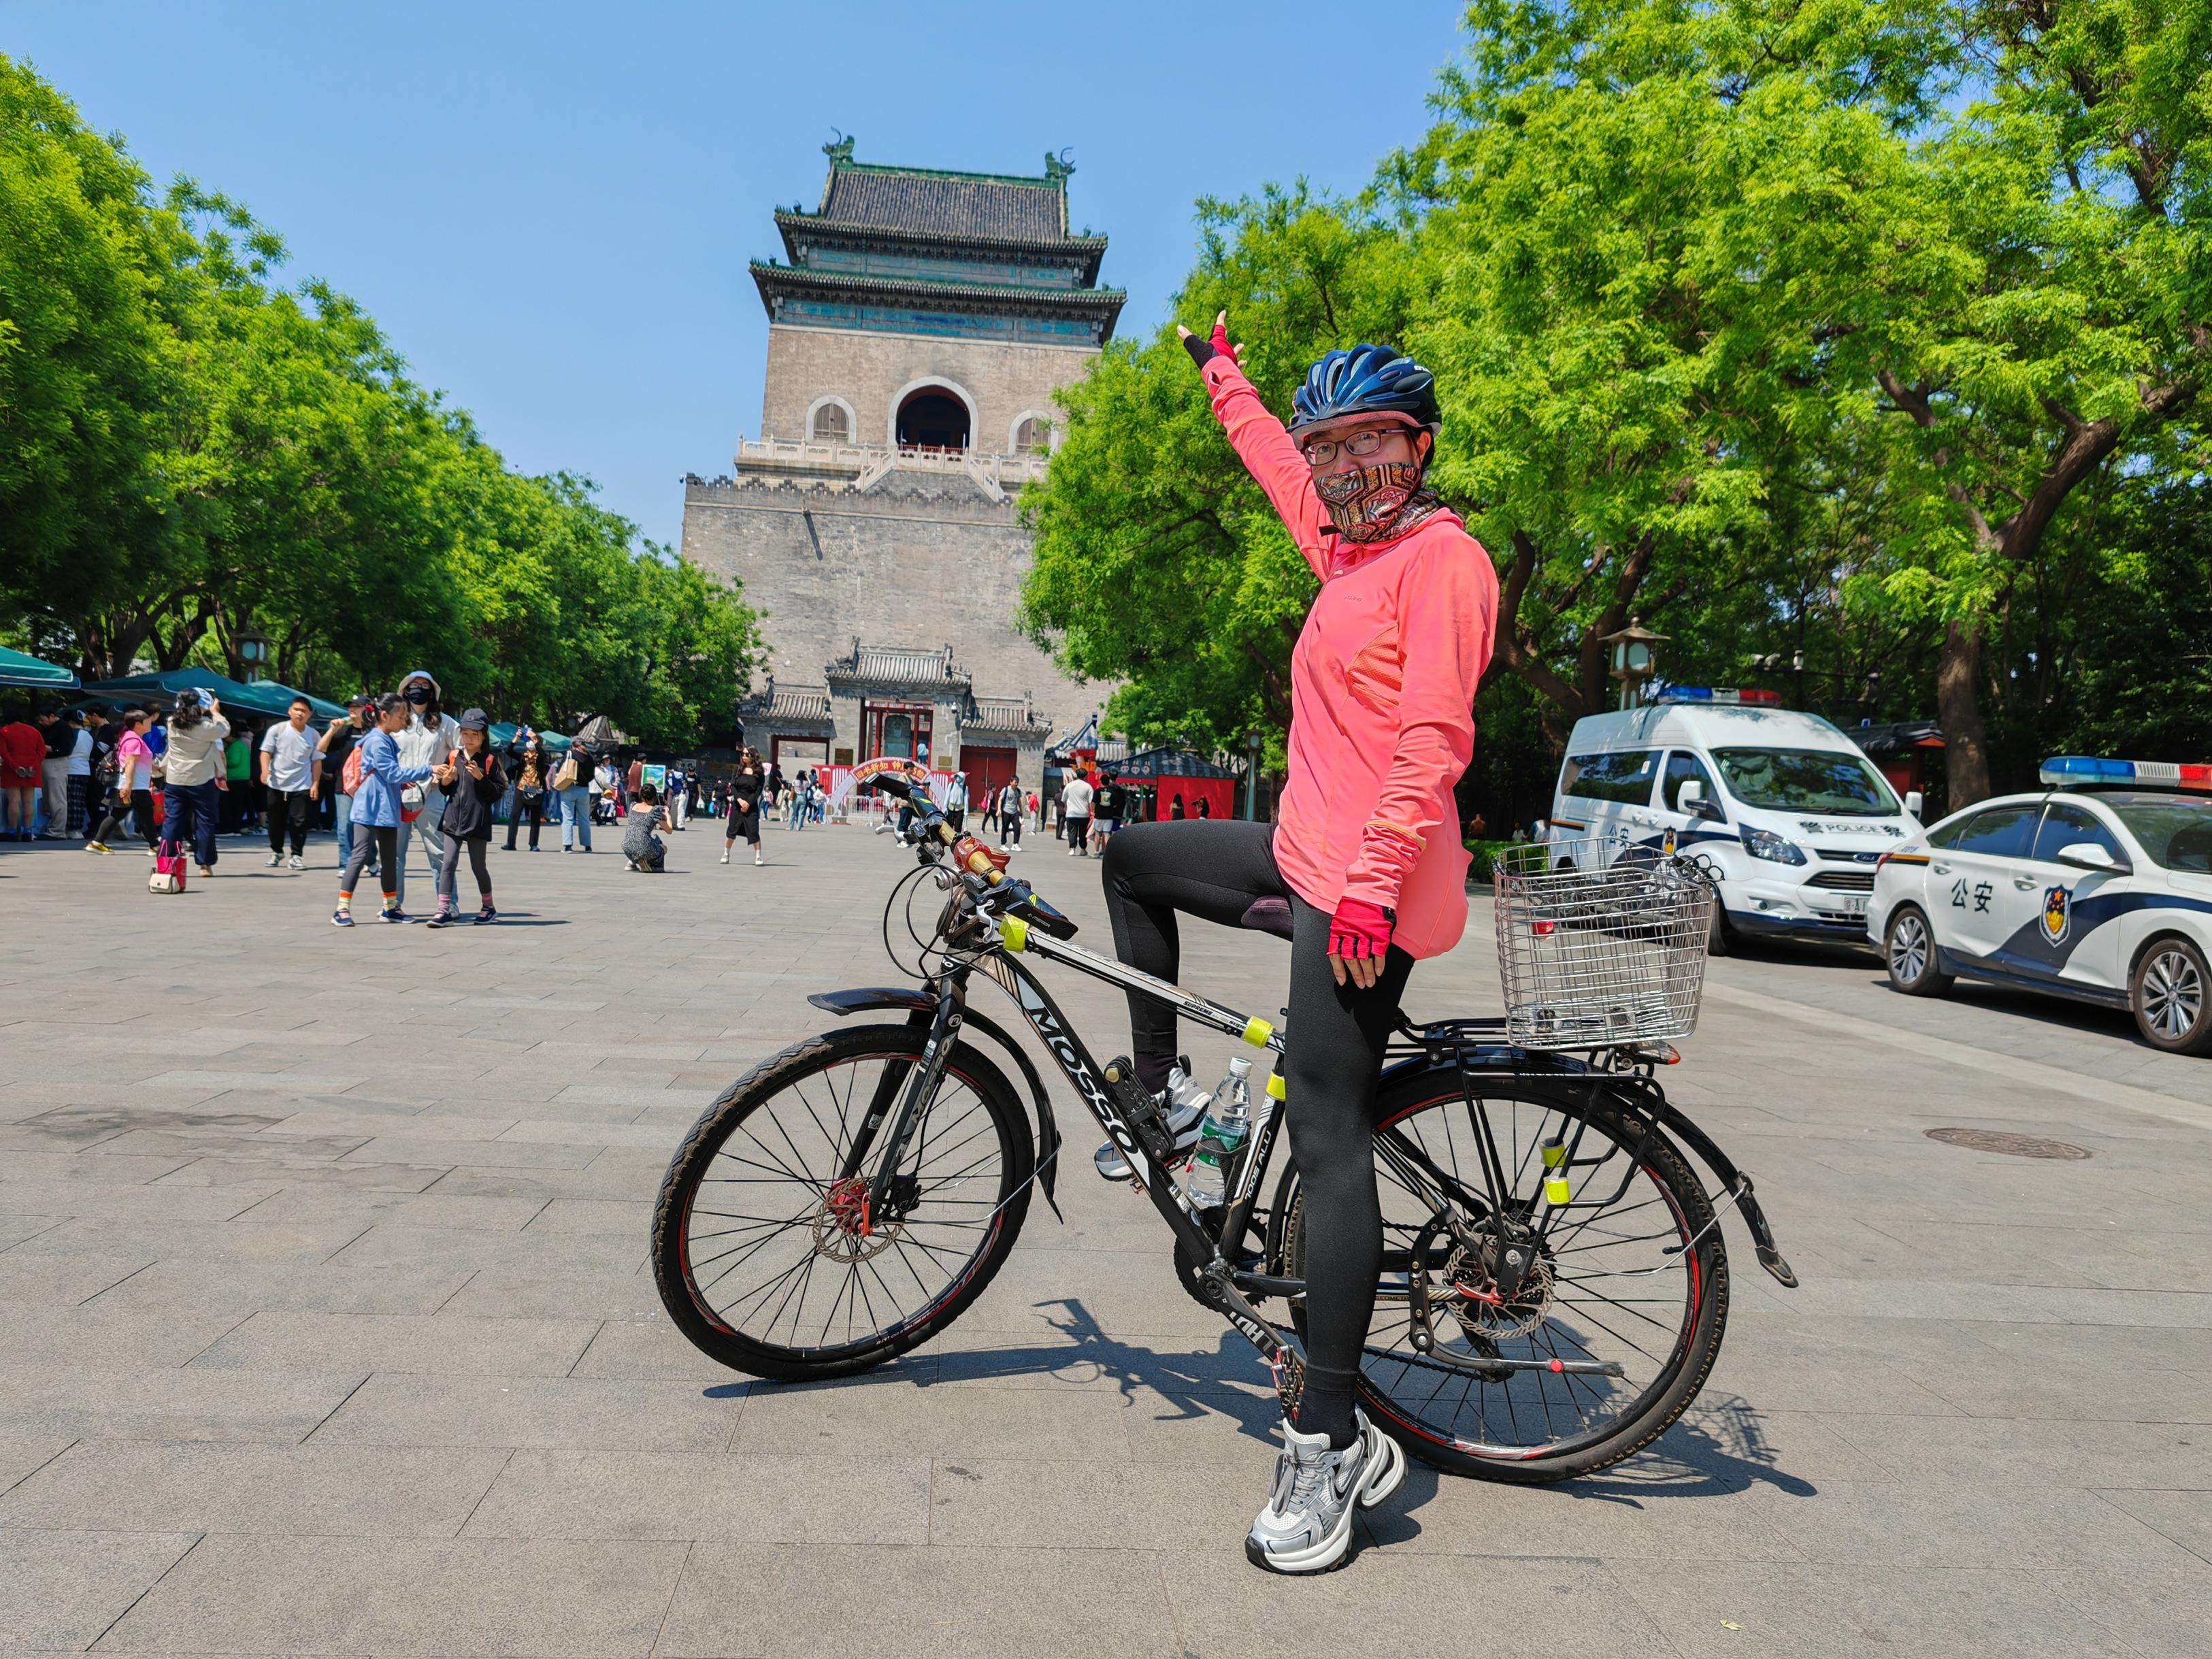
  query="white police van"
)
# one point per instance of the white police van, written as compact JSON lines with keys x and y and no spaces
{"x":2101,"y":892}
{"x":1786,"y":811}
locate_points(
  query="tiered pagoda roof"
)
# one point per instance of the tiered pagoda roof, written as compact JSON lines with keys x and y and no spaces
{"x":923,"y":250}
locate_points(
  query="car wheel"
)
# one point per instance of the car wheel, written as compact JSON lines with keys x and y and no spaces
{"x":1908,"y":947}
{"x":1719,"y":941}
{"x":2170,"y":993}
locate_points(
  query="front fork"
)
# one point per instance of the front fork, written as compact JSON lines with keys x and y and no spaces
{"x":902,"y":1098}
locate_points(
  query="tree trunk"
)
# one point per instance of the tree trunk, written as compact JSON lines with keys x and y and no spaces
{"x":1959,"y":711}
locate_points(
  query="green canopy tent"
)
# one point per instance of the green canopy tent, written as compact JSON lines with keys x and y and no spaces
{"x":266,"y":698}
{"x":504,"y":733}
{"x":16,"y":669}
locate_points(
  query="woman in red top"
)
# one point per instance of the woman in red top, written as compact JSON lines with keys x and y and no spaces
{"x":1363,"y":872}
{"x":23,"y":750}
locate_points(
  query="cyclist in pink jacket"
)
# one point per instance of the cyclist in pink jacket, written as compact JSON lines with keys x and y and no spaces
{"x":1363,"y":872}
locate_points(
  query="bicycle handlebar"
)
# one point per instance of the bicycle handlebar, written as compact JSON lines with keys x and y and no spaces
{"x":986,"y":875}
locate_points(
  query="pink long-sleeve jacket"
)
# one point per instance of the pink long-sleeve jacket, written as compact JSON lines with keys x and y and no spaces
{"x":1383,"y":686}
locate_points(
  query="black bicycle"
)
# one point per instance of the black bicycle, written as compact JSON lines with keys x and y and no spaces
{"x":1554,"y":1281}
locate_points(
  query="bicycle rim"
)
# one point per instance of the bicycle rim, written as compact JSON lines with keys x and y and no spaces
{"x":776,"y":1248}
{"x":1605,"y":1288}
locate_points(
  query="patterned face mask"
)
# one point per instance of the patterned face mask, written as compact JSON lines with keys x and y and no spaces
{"x":1374,"y":503}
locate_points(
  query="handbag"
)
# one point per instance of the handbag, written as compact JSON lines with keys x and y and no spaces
{"x":168,"y":874}
{"x":566,"y":777}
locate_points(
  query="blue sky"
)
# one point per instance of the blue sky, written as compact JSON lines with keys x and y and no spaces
{"x":550,"y":206}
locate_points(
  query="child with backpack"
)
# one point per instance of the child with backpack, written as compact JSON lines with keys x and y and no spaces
{"x":473,"y":782}
{"x":374,"y":777}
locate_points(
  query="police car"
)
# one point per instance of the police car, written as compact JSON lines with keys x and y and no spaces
{"x":1784,"y":812}
{"x":2099,"y":889}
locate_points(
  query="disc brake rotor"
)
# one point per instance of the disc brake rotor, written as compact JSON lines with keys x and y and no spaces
{"x":843,"y":1228}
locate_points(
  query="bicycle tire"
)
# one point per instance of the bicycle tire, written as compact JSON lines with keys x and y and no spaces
{"x":781,"y":1078}
{"x":1659,"y":1403}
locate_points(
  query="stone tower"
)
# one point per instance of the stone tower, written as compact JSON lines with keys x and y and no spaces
{"x":916,"y":334}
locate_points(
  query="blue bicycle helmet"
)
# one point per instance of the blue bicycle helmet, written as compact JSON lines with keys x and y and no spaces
{"x":1368,"y":380}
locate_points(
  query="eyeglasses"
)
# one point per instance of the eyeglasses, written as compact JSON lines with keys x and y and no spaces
{"x":1360,"y":446}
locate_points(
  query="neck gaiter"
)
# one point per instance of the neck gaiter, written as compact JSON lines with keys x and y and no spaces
{"x":1377,"y":503}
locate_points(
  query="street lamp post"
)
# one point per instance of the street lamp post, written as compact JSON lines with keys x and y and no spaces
{"x":253,"y":654}
{"x":1251,"y":778}
{"x":1633,"y":662}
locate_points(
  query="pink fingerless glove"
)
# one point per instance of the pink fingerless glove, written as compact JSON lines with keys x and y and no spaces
{"x":1360,"y":930}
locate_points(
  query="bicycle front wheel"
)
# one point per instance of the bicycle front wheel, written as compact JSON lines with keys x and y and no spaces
{"x":771,"y":1259}
{"x":1607,"y":1336}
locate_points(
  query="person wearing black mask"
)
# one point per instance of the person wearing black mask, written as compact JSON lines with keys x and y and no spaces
{"x":430,"y":735}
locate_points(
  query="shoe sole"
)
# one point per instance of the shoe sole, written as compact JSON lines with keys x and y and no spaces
{"x":1333,"y":1551}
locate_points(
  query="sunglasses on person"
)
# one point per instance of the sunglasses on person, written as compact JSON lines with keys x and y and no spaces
{"x":1360,"y":446}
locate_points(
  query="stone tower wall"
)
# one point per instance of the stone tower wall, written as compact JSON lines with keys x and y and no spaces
{"x":917,"y":561}
{"x":870,"y":371}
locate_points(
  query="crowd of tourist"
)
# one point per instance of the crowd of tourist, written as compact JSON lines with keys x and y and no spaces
{"x":401,"y":768}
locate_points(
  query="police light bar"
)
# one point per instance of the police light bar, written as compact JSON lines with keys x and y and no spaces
{"x":2062,"y":771}
{"x":1716,"y":694}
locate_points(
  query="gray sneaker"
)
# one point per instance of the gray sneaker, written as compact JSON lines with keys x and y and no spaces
{"x":1307,"y":1525}
{"x":1184,"y":1102}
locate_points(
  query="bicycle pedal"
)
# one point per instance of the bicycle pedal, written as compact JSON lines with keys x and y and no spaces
{"x":1140,"y":1110}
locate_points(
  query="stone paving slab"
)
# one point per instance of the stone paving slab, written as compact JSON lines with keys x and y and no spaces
{"x":329,"y":1328}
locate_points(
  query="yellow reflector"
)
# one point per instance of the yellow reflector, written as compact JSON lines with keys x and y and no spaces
{"x":1276,"y":1089}
{"x":1556,"y":1190}
{"x":1015,"y":933}
{"x":1554,"y":1154}
{"x":1257,"y":1031}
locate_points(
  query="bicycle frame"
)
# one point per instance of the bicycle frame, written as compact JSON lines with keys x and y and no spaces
{"x":993,"y":945}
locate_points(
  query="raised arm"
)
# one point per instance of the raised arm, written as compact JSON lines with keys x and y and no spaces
{"x":1261,"y":442}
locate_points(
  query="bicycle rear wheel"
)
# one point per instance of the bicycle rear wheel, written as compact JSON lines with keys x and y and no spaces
{"x":1631,"y":1274}
{"x":768,"y":1257}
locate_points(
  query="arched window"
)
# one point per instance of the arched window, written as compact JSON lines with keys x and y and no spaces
{"x":1033,"y":436}
{"x":831,"y":425}
{"x":933,"y":418}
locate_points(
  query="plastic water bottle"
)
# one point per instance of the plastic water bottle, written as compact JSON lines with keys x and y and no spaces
{"x":1221,"y":1137}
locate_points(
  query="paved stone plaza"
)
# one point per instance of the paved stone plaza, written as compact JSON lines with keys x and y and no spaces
{"x":325,"y":1326}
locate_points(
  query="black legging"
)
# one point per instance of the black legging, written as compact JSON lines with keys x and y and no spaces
{"x":1223,"y":871}
{"x":140,"y":804}
{"x":530,"y":812}
{"x":381,"y":840}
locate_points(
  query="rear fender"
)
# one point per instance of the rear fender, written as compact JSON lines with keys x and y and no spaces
{"x":920,"y":1008}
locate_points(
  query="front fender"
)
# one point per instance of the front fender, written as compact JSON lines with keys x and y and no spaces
{"x":921,"y":1007}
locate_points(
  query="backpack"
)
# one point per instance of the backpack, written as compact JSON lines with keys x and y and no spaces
{"x":349,"y":778}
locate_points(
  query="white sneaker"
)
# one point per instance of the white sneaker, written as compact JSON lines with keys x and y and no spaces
{"x":298,"y":863}
{"x":276,"y":859}
{"x":1307,"y":1525}
{"x":757,"y":858}
{"x":725,"y":857}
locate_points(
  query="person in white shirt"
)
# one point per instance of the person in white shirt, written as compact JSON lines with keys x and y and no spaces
{"x":956,"y":802}
{"x":429,"y":736}
{"x":1075,"y":797}
{"x":291,"y":771}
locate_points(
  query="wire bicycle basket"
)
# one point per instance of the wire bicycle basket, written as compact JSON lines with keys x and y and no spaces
{"x":1600,"y":942}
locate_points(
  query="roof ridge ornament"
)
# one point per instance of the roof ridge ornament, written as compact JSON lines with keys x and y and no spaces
{"x":840,"y":151}
{"x":1057,"y":168}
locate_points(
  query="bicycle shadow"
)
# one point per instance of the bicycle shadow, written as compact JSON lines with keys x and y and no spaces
{"x":1720,"y":1449}
{"x":1226,"y":1380}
